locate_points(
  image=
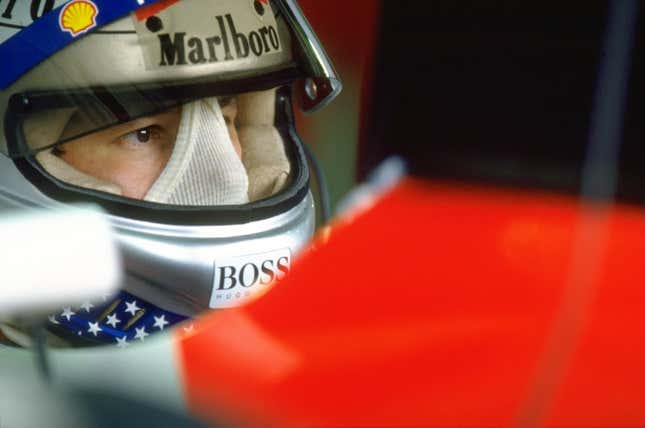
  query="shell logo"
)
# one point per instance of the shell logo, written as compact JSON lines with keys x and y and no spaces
{"x":78,"y":16}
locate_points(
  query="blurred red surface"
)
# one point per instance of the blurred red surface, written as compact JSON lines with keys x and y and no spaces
{"x":442,"y":306}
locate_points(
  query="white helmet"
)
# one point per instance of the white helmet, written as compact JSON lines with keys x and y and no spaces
{"x":176,"y":118}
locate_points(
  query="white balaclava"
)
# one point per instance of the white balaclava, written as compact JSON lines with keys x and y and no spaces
{"x":204,"y":168}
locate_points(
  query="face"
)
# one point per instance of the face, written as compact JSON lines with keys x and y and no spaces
{"x":133,"y":155}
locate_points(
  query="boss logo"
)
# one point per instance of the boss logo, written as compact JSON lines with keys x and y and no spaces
{"x":250,"y":274}
{"x":238,"y":279}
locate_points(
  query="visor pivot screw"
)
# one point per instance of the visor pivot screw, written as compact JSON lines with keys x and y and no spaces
{"x":259,"y":8}
{"x":311,"y":89}
{"x":24,"y":103}
{"x":154,"y":24}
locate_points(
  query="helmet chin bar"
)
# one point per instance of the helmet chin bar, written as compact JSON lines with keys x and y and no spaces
{"x":190,"y":269}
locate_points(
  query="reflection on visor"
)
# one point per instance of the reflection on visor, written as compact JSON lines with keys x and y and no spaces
{"x":210,"y":151}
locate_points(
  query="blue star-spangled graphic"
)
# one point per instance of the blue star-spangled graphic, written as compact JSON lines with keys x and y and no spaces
{"x":117,"y":321}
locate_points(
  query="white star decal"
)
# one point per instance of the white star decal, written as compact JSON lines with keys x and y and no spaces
{"x":141,"y":333}
{"x":52,"y":319}
{"x":87,"y":306}
{"x":94,"y":328}
{"x":160,"y":322}
{"x":112,"y":320}
{"x":189,"y":329}
{"x":67,"y":313}
{"x":132,"y":307}
{"x":122,"y":342}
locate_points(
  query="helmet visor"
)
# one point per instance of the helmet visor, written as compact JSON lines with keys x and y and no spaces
{"x":219,"y":148}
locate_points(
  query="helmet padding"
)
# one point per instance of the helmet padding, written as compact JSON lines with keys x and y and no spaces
{"x":263,"y":153}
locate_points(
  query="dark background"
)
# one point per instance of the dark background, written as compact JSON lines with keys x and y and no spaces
{"x":492,"y":92}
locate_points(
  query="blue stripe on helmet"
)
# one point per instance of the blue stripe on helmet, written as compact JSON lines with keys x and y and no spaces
{"x":37,"y":42}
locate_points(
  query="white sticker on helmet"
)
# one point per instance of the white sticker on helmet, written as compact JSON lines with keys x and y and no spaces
{"x":18,"y":14}
{"x":238,"y":280}
{"x":232,"y":32}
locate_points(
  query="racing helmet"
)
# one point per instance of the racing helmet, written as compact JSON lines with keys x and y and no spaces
{"x":175,"y":116}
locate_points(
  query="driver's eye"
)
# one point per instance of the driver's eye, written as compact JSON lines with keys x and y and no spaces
{"x":142,"y":135}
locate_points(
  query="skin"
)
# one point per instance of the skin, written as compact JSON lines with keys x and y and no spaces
{"x":133,"y":155}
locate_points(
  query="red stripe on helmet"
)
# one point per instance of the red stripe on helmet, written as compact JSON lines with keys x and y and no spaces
{"x":153,"y":9}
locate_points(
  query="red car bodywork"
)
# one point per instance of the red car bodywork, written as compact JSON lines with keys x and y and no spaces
{"x":442,"y":305}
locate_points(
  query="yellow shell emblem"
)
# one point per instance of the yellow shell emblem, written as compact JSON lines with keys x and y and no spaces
{"x":78,"y":17}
